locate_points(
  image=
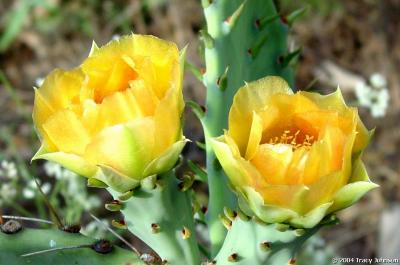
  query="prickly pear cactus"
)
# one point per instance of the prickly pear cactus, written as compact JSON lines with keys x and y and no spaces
{"x":160,"y":213}
{"x":16,"y":249}
{"x":244,"y":40}
{"x":249,"y":241}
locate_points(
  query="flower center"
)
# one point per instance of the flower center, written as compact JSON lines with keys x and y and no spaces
{"x":295,"y":138}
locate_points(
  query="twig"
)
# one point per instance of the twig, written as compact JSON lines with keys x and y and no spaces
{"x":54,"y":249}
{"x":51,"y":208}
{"x":116,"y":234}
{"x":26,"y":219}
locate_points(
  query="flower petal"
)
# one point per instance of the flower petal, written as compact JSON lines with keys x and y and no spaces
{"x":165,"y":161}
{"x":231,"y":165}
{"x":144,"y":96}
{"x":164,"y":58}
{"x":118,"y":108}
{"x":335,"y":101}
{"x":67,"y":132}
{"x":359,"y":185}
{"x":285,"y":196}
{"x":254,"y":137}
{"x":249,"y":98}
{"x":168,"y":121}
{"x":115,"y":179}
{"x":267,"y":213}
{"x":312,"y":218}
{"x":71,"y":162}
{"x":126,"y":148}
{"x":272,"y":161}
{"x":61,"y":88}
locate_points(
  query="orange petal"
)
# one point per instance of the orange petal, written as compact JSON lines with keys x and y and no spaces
{"x":272,"y":162}
{"x":249,"y":98}
{"x":286,"y":196}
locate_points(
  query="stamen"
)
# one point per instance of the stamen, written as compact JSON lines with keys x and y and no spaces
{"x":288,"y":137}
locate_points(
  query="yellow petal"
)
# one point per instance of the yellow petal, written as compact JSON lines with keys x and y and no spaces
{"x":322,"y":191}
{"x":61,"y":88}
{"x":107,"y":70}
{"x":363,"y":136}
{"x":254,"y":137}
{"x":66,"y":131}
{"x":232,"y":145}
{"x":352,"y":192}
{"x":287,"y":108}
{"x":335,"y":101}
{"x":41,"y":112}
{"x":125,"y":148}
{"x":72,"y":162}
{"x":311,"y":218}
{"x":325,"y":155}
{"x":295,"y":170}
{"x":113,"y":178}
{"x":168,"y":121}
{"x":251,"y":201}
{"x":233,"y":167}
{"x":165,"y":161}
{"x":272,"y":162}
{"x":118,"y":108}
{"x":164,"y":58}
{"x":285,"y":196}
{"x":145,"y":98}
{"x":91,"y":116}
{"x":249,"y":98}
{"x":118,"y":79}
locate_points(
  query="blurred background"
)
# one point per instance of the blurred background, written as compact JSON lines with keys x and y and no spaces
{"x":354,"y":44}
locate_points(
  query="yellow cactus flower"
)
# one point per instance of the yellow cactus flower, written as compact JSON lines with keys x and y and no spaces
{"x":293,"y":158}
{"x":116,"y":119}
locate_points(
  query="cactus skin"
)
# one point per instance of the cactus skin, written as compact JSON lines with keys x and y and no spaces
{"x":12,"y":246}
{"x":158,"y":217}
{"x":245,"y":41}
{"x":256,"y":243}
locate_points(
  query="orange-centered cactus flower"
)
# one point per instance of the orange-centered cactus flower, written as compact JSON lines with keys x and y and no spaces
{"x":116,"y":119}
{"x":293,"y":158}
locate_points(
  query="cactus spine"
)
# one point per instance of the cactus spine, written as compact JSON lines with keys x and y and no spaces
{"x":244,"y":40}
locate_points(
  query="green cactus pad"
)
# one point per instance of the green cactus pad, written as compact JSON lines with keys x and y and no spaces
{"x":12,"y":246}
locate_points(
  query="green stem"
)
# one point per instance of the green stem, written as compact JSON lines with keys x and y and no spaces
{"x":219,"y":196}
{"x":236,"y":51}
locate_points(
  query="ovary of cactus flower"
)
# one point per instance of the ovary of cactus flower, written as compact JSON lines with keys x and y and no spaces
{"x":115,"y":119}
{"x":293,"y":158}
